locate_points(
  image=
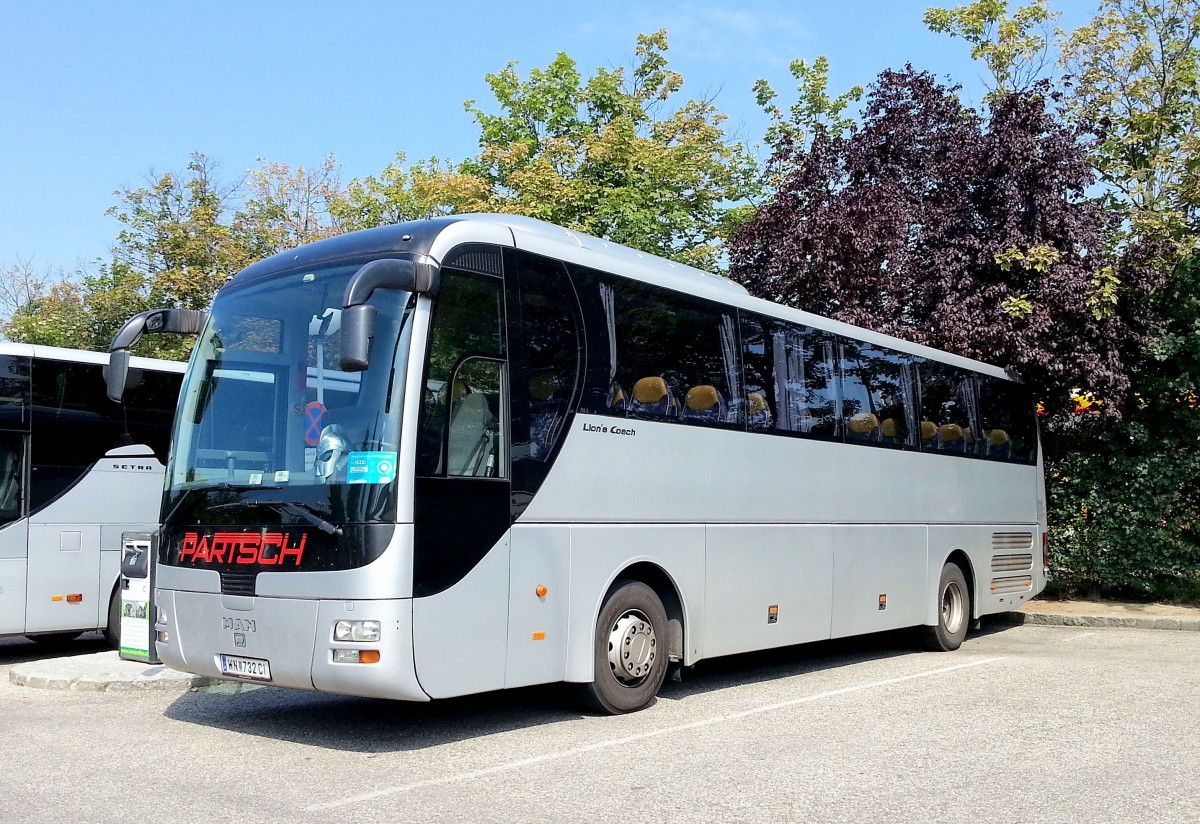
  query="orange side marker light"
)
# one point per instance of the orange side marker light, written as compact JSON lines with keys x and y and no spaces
{"x":539,"y":636}
{"x":77,"y":598}
{"x":541,"y":590}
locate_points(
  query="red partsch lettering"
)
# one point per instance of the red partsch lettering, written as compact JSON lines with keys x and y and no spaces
{"x":242,"y":548}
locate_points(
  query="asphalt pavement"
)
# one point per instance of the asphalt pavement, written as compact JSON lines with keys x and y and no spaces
{"x":106,"y":671}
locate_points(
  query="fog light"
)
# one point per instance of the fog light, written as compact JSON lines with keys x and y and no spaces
{"x":345,"y":656}
{"x":356,"y":631}
{"x":162,"y":637}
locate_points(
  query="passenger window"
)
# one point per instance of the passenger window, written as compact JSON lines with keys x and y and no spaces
{"x":657,"y":354}
{"x":1008,"y":429}
{"x":463,"y":379}
{"x":948,"y":409}
{"x":547,"y":368}
{"x":12,"y":477}
{"x":759,"y":375}
{"x":806,"y":386}
{"x":877,"y":396}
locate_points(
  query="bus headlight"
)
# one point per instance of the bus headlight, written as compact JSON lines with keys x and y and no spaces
{"x":356,"y":631}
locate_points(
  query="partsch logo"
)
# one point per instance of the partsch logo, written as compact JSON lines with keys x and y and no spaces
{"x":270,"y":549}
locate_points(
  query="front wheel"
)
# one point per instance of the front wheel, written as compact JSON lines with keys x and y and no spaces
{"x":954,"y":612}
{"x":631,"y":651}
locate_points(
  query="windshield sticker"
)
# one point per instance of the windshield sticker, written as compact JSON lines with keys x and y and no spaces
{"x":371,"y":468}
{"x":281,"y":476}
{"x":255,"y":478}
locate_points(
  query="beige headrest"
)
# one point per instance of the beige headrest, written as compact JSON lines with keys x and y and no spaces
{"x":756,"y":403}
{"x":864,"y":423}
{"x":950,"y":432}
{"x":928,"y":430}
{"x":702,"y":398}
{"x":650,"y":390}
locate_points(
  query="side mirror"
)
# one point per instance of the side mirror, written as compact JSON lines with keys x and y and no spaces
{"x":358,"y":319}
{"x":154,"y":322}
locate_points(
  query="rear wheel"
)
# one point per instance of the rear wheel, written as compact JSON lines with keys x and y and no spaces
{"x":112,"y":632}
{"x":954,"y":612}
{"x":630,"y":651}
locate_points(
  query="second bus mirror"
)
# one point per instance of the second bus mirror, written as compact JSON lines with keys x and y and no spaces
{"x":358,"y":328}
{"x":116,"y":373}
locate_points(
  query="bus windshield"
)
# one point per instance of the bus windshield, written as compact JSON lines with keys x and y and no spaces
{"x":267,"y":417}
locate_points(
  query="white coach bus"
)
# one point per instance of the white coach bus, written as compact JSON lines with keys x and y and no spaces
{"x":76,"y":471}
{"x":482,"y":452}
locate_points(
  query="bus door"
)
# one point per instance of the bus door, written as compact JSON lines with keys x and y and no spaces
{"x":546,"y":356}
{"x":461,"y":493}
{"x":14,"y":490}
{"x":14,"y":532}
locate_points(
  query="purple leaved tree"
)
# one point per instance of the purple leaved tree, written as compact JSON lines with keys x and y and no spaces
{"x":976,"y":236}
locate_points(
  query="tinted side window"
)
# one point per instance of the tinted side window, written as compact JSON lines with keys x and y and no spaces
{"x":806,"y":381}
{"x":545,"y":361}
{"x":462,"y":392}
{"x":658,"y":355}
{"x":758,"y":370}
{"x":14,"y":392}
{"x":1007,"y":423}
{"x":877,"y":396}
{"x":949,"y":409}
{"x":12,"y":477}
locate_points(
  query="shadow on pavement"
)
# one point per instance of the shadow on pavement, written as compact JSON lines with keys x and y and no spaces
{"x":368,"y":725}
{"x":18,"y":650}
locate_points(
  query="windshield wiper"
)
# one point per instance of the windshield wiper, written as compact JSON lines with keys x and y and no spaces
{"x":224,"y":486}
{"x":296,"y":509}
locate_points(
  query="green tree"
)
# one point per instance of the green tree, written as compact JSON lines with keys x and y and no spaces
{"x":1016,"y":48}
{"x":1135,"y":77}
{"x":615,"y":156}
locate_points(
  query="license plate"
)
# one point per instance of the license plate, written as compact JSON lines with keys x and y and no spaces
{"x":256,"y":669}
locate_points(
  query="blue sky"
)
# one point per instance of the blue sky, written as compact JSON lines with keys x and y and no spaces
{"x":96,"y":94}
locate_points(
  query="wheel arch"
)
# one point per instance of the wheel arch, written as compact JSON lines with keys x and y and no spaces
{"x":957,"y":556}
{"x":667,"y":590}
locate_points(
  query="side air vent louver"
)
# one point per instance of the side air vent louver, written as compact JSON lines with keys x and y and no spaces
{"x":1010,"y":541}
{"x":1019,"y":583}
{"x":475,"y":257}
{"x":238,"y":583}
{"x":1012,"y":562}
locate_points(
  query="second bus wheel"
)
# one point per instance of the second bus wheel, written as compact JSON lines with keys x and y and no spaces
{"x":954,"y":612}
{"x":631,"y":651}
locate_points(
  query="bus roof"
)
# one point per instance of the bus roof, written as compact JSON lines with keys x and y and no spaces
{"x":59,"y":353}
{"x":438,"y":236}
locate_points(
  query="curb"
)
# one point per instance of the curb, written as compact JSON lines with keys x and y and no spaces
{"x":117,"y":676}
{"x":1111,"y":621}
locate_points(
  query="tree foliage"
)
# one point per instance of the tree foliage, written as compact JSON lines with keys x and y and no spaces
{"x":614,"y":156}
{"x":1016,"y":48}
{"x":973,"y":235}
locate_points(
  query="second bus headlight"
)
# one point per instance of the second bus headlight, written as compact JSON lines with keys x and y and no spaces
{"x":356,"y":631}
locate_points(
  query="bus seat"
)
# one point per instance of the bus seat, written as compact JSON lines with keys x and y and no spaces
{"x":472,"y":444}
{"x":999,"y":445}
{"x":703,"y":403}
{"x":652,"y":397}
{"x":616,"y":398}
{"x":951,"y":438}
{"x":888,"y":427}
{"x":546,"y":412}
{"x":758,"y":414}
{"x":864,"y":424}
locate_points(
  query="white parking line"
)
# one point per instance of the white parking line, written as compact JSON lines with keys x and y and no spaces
{"x":629,"y":739}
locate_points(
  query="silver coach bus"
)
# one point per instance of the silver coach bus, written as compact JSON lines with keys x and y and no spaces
{"x":483,"y":451}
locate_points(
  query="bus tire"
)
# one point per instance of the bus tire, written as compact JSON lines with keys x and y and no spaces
{"x":112,"y":630}
{"x":630,"y":651}
{"x":954,"y":612}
